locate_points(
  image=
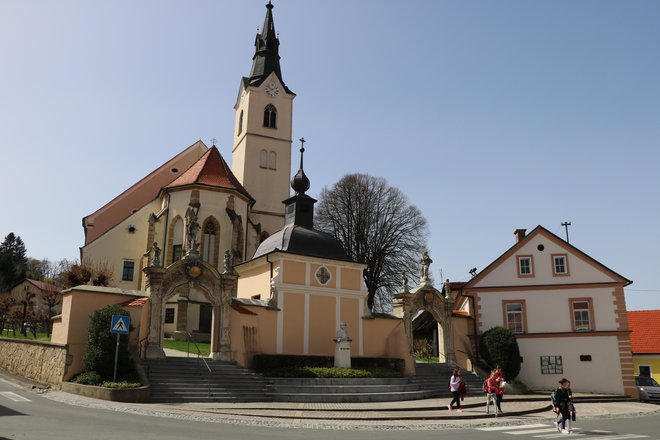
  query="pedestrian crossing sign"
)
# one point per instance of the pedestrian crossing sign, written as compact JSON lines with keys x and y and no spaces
{"x":120,"y":324}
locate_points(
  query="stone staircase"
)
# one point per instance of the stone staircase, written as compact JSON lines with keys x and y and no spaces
{"x":188,"y":380}
{"x":431,"y":381}
{"x":435,"y":379}
{"x":178,"y":380}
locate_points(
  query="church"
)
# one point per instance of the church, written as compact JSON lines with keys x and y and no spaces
{"x":230,"y":255}
{"x":226,"y":255}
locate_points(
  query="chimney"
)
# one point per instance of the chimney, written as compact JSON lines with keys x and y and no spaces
{"x":520,"y":234}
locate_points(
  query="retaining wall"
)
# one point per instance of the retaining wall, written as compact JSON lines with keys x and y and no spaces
{"x":42,"y":362}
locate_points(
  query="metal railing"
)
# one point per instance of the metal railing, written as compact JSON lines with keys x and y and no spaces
{"x":190,"y":339}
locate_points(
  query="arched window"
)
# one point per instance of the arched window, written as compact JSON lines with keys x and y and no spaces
{"x":209,"y":242}
{"x":177,"y":240}
{"x":270,"y":116}
{"x":263,"y":159}
{"x":240,"y":123}
{"x":272,"y":160}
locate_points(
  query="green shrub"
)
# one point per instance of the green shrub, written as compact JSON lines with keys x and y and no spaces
{"x":499,"y":347}
{"x":123,"y":385}
{"x":325,"y":372}
{"x":88,"y":378}
{"x":101,"y":344}
{"x":266,"y":364}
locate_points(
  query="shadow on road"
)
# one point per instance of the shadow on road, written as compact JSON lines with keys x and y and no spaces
{"x":4,"y":411}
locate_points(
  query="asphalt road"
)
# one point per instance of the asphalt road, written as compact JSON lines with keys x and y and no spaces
{"x":31,"y":416}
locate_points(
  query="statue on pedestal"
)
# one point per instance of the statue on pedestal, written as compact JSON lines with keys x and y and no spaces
{"x":426,"y":262}
{"x":342,"y":347}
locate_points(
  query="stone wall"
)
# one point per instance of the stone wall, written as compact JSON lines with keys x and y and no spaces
{"x":43,"y":362}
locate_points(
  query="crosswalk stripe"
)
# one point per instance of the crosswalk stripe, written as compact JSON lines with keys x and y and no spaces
{"x":509,"y":428}
{"x":614,"y":437}
{"x":534,"y":431}
{"x":13,"y":396}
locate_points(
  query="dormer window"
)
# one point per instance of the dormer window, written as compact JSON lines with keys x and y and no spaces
{"x":270,"y":116}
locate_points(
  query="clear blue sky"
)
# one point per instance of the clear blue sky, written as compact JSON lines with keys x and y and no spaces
{"x":490,"y":116}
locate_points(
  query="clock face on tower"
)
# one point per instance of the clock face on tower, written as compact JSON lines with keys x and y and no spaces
{"x":272,"y":90}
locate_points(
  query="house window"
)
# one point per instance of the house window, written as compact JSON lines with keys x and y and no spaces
{"x":525,"y":266}
{"x":128,"y":270}
{"x":209,"y":242}
{"x":263,"y":159}
{"x":240,"y":123}
{"x":514,"y":312}
{"x":169,"y":315}
{"x":644,"y":371}
{"x":270,"y":116}
{"x":552,"y":365}
{"x":560,"y":265}
{"x":582,"y":310}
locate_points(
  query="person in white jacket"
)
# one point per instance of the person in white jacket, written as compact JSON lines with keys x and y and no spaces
{"x":454,"y":387}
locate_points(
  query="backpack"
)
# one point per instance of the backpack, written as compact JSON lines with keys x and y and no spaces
{"x":553,"y":397}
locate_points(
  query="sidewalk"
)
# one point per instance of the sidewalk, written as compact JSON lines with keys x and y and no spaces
{"x":428,"y":414}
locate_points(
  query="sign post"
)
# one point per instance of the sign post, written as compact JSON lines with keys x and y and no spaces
{"x":120,"y":325}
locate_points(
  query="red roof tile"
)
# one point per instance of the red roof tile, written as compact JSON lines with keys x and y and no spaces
{"x":242,"y":310}
{"x":44,"y":286}
{"x":645,"y":327}
{"x":212,"y":170}
{"x":138,"y":302}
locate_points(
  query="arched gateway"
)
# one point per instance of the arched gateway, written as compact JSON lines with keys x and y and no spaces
{"x":218,"y":288}
{"x":439,"y":304}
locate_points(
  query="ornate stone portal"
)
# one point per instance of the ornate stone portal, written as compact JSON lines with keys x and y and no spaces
{"x":426,"y":297}
{"x":218,"y":288}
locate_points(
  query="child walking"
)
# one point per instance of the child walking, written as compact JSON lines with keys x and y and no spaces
{"x":454,"y":387}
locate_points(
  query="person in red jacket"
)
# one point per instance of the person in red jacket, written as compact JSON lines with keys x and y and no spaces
{"x":495,"y":385}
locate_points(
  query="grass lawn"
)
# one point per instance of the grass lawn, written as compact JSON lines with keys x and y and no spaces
{"x":40,"y":336}
{"x":204,"y":347}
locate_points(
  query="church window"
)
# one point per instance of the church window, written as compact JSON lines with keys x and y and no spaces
{"x":270,"y":116}
{"x":323,"y":275}
{"x":272,"y":160}
{"x":240,"y":123}
{"x":263,"y":159}
{"x":128,"y":270}
{"x":209,"y":242}
{"x":177,"y":241}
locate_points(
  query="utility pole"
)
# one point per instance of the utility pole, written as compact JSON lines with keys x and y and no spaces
{"x":566,"y":225}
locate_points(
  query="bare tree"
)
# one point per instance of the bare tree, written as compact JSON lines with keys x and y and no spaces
{"x":378,"y":227}
{"x":51,"y":299}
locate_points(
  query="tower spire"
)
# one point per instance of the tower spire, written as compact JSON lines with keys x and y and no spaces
{"x":266,"y":59}
{"x":300,"y":182}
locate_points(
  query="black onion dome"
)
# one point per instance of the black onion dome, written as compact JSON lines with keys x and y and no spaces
{"x":300,"y":240}
{"x":300,"y":182}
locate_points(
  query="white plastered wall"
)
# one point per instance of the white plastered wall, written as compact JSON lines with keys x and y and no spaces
{"x":580,"y":270}
{"x":600,"y":375}
{"x":549,"y":310}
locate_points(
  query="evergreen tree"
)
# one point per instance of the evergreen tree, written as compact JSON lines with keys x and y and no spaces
{"x":499,"y":347}
{"x":13,"y":261}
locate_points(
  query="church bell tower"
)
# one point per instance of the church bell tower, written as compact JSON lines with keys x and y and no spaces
{"x":261,"y":151}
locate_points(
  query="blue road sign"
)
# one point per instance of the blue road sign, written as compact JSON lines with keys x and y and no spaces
{"x":120,"y":324}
